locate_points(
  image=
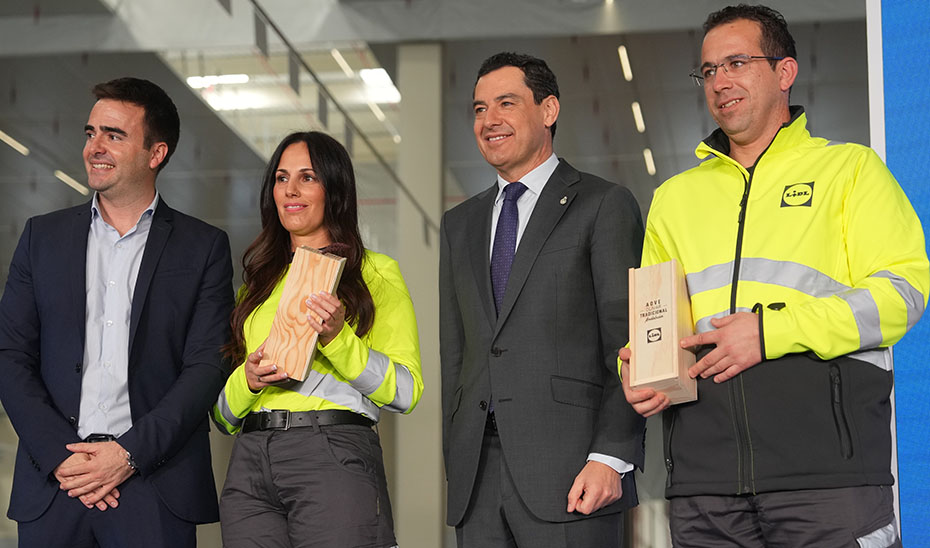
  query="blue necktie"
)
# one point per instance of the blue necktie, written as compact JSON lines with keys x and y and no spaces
{"x":505,"y":242}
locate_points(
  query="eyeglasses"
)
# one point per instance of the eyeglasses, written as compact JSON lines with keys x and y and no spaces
{"x":733,"y":65}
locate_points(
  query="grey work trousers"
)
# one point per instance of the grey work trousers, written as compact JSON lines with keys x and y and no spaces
{"x":851,"y":517}
{"x":307,"y":487}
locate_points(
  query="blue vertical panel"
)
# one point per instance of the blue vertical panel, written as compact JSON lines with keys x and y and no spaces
{"x":906,"y":51}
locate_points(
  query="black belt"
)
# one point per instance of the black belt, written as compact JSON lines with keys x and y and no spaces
{"x":282,"y":419}
{"x":94,"y":438}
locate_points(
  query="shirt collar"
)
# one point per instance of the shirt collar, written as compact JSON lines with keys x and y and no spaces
{"x":95,"y":207}
{"x":535,"y":180}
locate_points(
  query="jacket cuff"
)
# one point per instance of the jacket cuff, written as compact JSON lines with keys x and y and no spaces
{"x":778,"y":333}
{"x":239,"y":396}
{"x":344,"y":354}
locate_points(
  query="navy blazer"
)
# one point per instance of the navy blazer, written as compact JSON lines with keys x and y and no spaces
{"x":179,"y":322}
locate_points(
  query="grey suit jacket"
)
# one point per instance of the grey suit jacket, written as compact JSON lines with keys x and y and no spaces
{"x":549,"y":359}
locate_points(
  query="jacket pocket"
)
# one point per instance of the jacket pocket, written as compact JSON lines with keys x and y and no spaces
{"x":559,"y":244}
{"x":839,"y":412}
{"x":576,"y":392}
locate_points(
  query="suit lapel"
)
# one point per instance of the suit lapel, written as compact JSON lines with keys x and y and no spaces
{"x":547,"y":213}
{"x":77,"y":257}
{"x":479,"y":225}
{"x":154,"y":245}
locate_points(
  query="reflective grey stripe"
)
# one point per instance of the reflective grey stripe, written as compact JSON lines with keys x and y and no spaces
{"x":704,"y":325}
{"x":753,"y":269}
{"x":329,"y":388}
{"x":816,"y":284}
{"x":879,"y":357}
{"x":403,"y":397}
{"x":879,"y":538}
{"x":712,"y":277}
{"x":865,"y":311}
{"x":225,"y":411}
{"x":373,"y":376}
{"x":913,"y":299}
{"x":835,"y":143}
{"x":790,"y":274}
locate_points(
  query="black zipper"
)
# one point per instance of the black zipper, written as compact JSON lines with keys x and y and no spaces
{"x":741,"y":225}
{"x":839,"y":414}
{"x":668,"y":423}
{"x":744,"y":479}
{"x":741,"y":426}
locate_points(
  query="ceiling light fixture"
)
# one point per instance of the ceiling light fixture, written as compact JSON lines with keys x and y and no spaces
{"x":341,"y":61}
{"x":379,"y":87}
{"x":68,"y":180}
{"x":625,"y":63}
{"x":650,"y":164}
{"x":14,"y":144}
{"x":201,"y":82}
{"x":377,"y":77}
{"x":638,"y":117}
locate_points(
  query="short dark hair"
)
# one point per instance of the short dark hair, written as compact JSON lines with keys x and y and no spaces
{"x":536,"y":74}
{"x":776,"y":40}
{"x":160,"y":123}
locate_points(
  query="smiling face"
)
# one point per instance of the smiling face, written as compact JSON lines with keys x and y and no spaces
{"x":300,"y":198}
{"x":751,"y":107}
{"x":512,"y":131}
{"x":118,"y":164}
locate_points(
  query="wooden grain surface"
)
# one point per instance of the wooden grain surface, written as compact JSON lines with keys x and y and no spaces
{"x":292,"y":342}
{"x":660,"y":316}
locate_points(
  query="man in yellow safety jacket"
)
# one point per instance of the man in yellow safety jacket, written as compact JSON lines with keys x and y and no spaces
{"x":805,"y":262}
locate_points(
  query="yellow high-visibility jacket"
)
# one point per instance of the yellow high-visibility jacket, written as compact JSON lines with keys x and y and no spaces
{"x":820,"y":240}
{"x":364,"y":375}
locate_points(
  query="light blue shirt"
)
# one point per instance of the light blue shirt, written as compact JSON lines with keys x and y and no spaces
{"x":112,"y":268}
{"x":535,"y":180}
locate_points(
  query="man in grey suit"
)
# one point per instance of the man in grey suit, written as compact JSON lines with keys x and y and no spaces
{"x":538,"y":439}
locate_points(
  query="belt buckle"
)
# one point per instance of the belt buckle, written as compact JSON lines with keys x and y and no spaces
{"x":97,"y":437}
{"x":273,"y":419}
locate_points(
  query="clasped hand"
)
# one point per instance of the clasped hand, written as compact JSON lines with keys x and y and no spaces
{"x":93,"y":472}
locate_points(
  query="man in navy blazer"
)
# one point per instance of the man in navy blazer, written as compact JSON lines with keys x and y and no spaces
{"x":111,"y":328}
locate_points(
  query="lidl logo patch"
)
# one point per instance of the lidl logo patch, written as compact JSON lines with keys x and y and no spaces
{"x":798,"y":194}
{"x":654,"y":335}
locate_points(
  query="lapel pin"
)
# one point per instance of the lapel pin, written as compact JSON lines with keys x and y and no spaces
{"x":564,"y":200}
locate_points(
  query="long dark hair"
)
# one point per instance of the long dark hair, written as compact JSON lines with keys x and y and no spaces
{"x":266,"y":259}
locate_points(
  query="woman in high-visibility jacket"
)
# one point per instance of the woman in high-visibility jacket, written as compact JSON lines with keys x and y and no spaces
{"x":307,"y":463}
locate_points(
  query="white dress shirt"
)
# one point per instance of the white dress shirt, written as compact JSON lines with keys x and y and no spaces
{"x":112,"y":268}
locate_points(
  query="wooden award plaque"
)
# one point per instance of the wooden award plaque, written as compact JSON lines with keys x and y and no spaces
{"x":660,"y":316}
{"x":292,"y":342}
